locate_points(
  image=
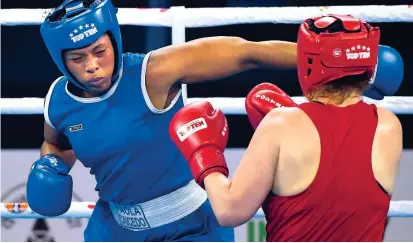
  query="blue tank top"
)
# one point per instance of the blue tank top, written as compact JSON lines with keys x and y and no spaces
{"x":121,"y":137}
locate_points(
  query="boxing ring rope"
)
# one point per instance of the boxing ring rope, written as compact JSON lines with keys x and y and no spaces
{"x":230,"y":106}
{"x":207,"y":17}
{"x":180,"y":18}
{"x":398,"y":209}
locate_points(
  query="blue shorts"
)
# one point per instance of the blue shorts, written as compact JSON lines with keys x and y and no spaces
{"x":201,"y":225}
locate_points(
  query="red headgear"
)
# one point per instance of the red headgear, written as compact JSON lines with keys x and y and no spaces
{"x":334,"y":46}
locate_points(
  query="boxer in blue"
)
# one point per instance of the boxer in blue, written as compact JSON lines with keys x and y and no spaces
{"x":112,"y":111}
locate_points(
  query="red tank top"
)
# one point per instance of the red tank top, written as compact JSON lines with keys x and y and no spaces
{"x":344,"y":202}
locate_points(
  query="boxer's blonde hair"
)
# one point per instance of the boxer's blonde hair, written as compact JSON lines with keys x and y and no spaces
{"x":341,"y":89}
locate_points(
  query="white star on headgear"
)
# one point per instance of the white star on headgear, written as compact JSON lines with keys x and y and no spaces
{"x":364,"y":47}
{"x":92,"y":25}
{"x":86,"y":25}
{"x":358,"y":46}
{"x":347,"y":50}
{"x":80,"y":27}
{"x":353,"y":48}
{"x":71,"y":35}
{"x":368,"y":48}
{"x":75,"y":31}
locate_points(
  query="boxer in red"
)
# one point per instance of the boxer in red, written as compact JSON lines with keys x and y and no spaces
{"x":322,"y":170}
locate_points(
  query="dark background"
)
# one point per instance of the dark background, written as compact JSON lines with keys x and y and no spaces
{"x":27,"y":69}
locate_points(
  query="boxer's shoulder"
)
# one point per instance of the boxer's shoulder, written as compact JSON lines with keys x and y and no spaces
{"x":57,"y":85}
{"x":132,"y":59}
{"x":286,"y":117}
{"x":286,"y":121}
{"x":293,"y":131}
{"x":388,"y":122}
{"x":56,"y":89}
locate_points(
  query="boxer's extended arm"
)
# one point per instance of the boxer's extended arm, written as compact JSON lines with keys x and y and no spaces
{"x":214,"y":58}
{"x":235,"y":202}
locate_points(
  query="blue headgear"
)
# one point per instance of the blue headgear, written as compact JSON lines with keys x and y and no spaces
{"x":78,"y":23}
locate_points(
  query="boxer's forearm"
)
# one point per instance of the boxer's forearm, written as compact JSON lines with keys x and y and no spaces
{"x":68,"y":156}
{"x":226,"y":207}
{"x":215,"y":58}
{"x":273,"y":54}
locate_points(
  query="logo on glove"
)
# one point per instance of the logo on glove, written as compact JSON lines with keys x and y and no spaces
{"x":266,"y":98}
{"x":190,"y":128}
{"x":225,"y":128}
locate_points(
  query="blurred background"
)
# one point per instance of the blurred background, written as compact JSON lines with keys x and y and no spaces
{"x":27,"y":70}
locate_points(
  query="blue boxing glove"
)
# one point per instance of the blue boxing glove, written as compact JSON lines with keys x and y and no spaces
{"x":49,"y":187}
{"x":389,"y":74}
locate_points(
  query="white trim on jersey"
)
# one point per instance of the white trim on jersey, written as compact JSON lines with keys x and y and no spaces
{"x":145,"y":92}
{"x":47,"y":103}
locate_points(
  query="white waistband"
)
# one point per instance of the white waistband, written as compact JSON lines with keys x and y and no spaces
{"x":160,"y":211}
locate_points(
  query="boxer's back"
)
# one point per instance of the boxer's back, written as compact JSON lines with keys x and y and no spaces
{"x":326,"y":186}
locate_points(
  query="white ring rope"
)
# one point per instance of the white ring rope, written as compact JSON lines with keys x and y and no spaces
{"x":85,"y":209}
{"x":205,"y":17}
{"x":230,"y":106}
{"x":178,"y":17}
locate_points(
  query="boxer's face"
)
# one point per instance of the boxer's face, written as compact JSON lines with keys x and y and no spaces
{"x":93,"y":65}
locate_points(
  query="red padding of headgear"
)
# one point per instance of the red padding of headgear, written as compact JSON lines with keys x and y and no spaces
{"x":325,"y":57}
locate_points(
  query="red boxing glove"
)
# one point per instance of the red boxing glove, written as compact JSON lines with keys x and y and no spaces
{"x":262,"y":99}
{"x":201,"y":134}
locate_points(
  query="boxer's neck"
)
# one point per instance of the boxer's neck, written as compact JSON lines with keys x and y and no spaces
{"x":352,"y":99}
